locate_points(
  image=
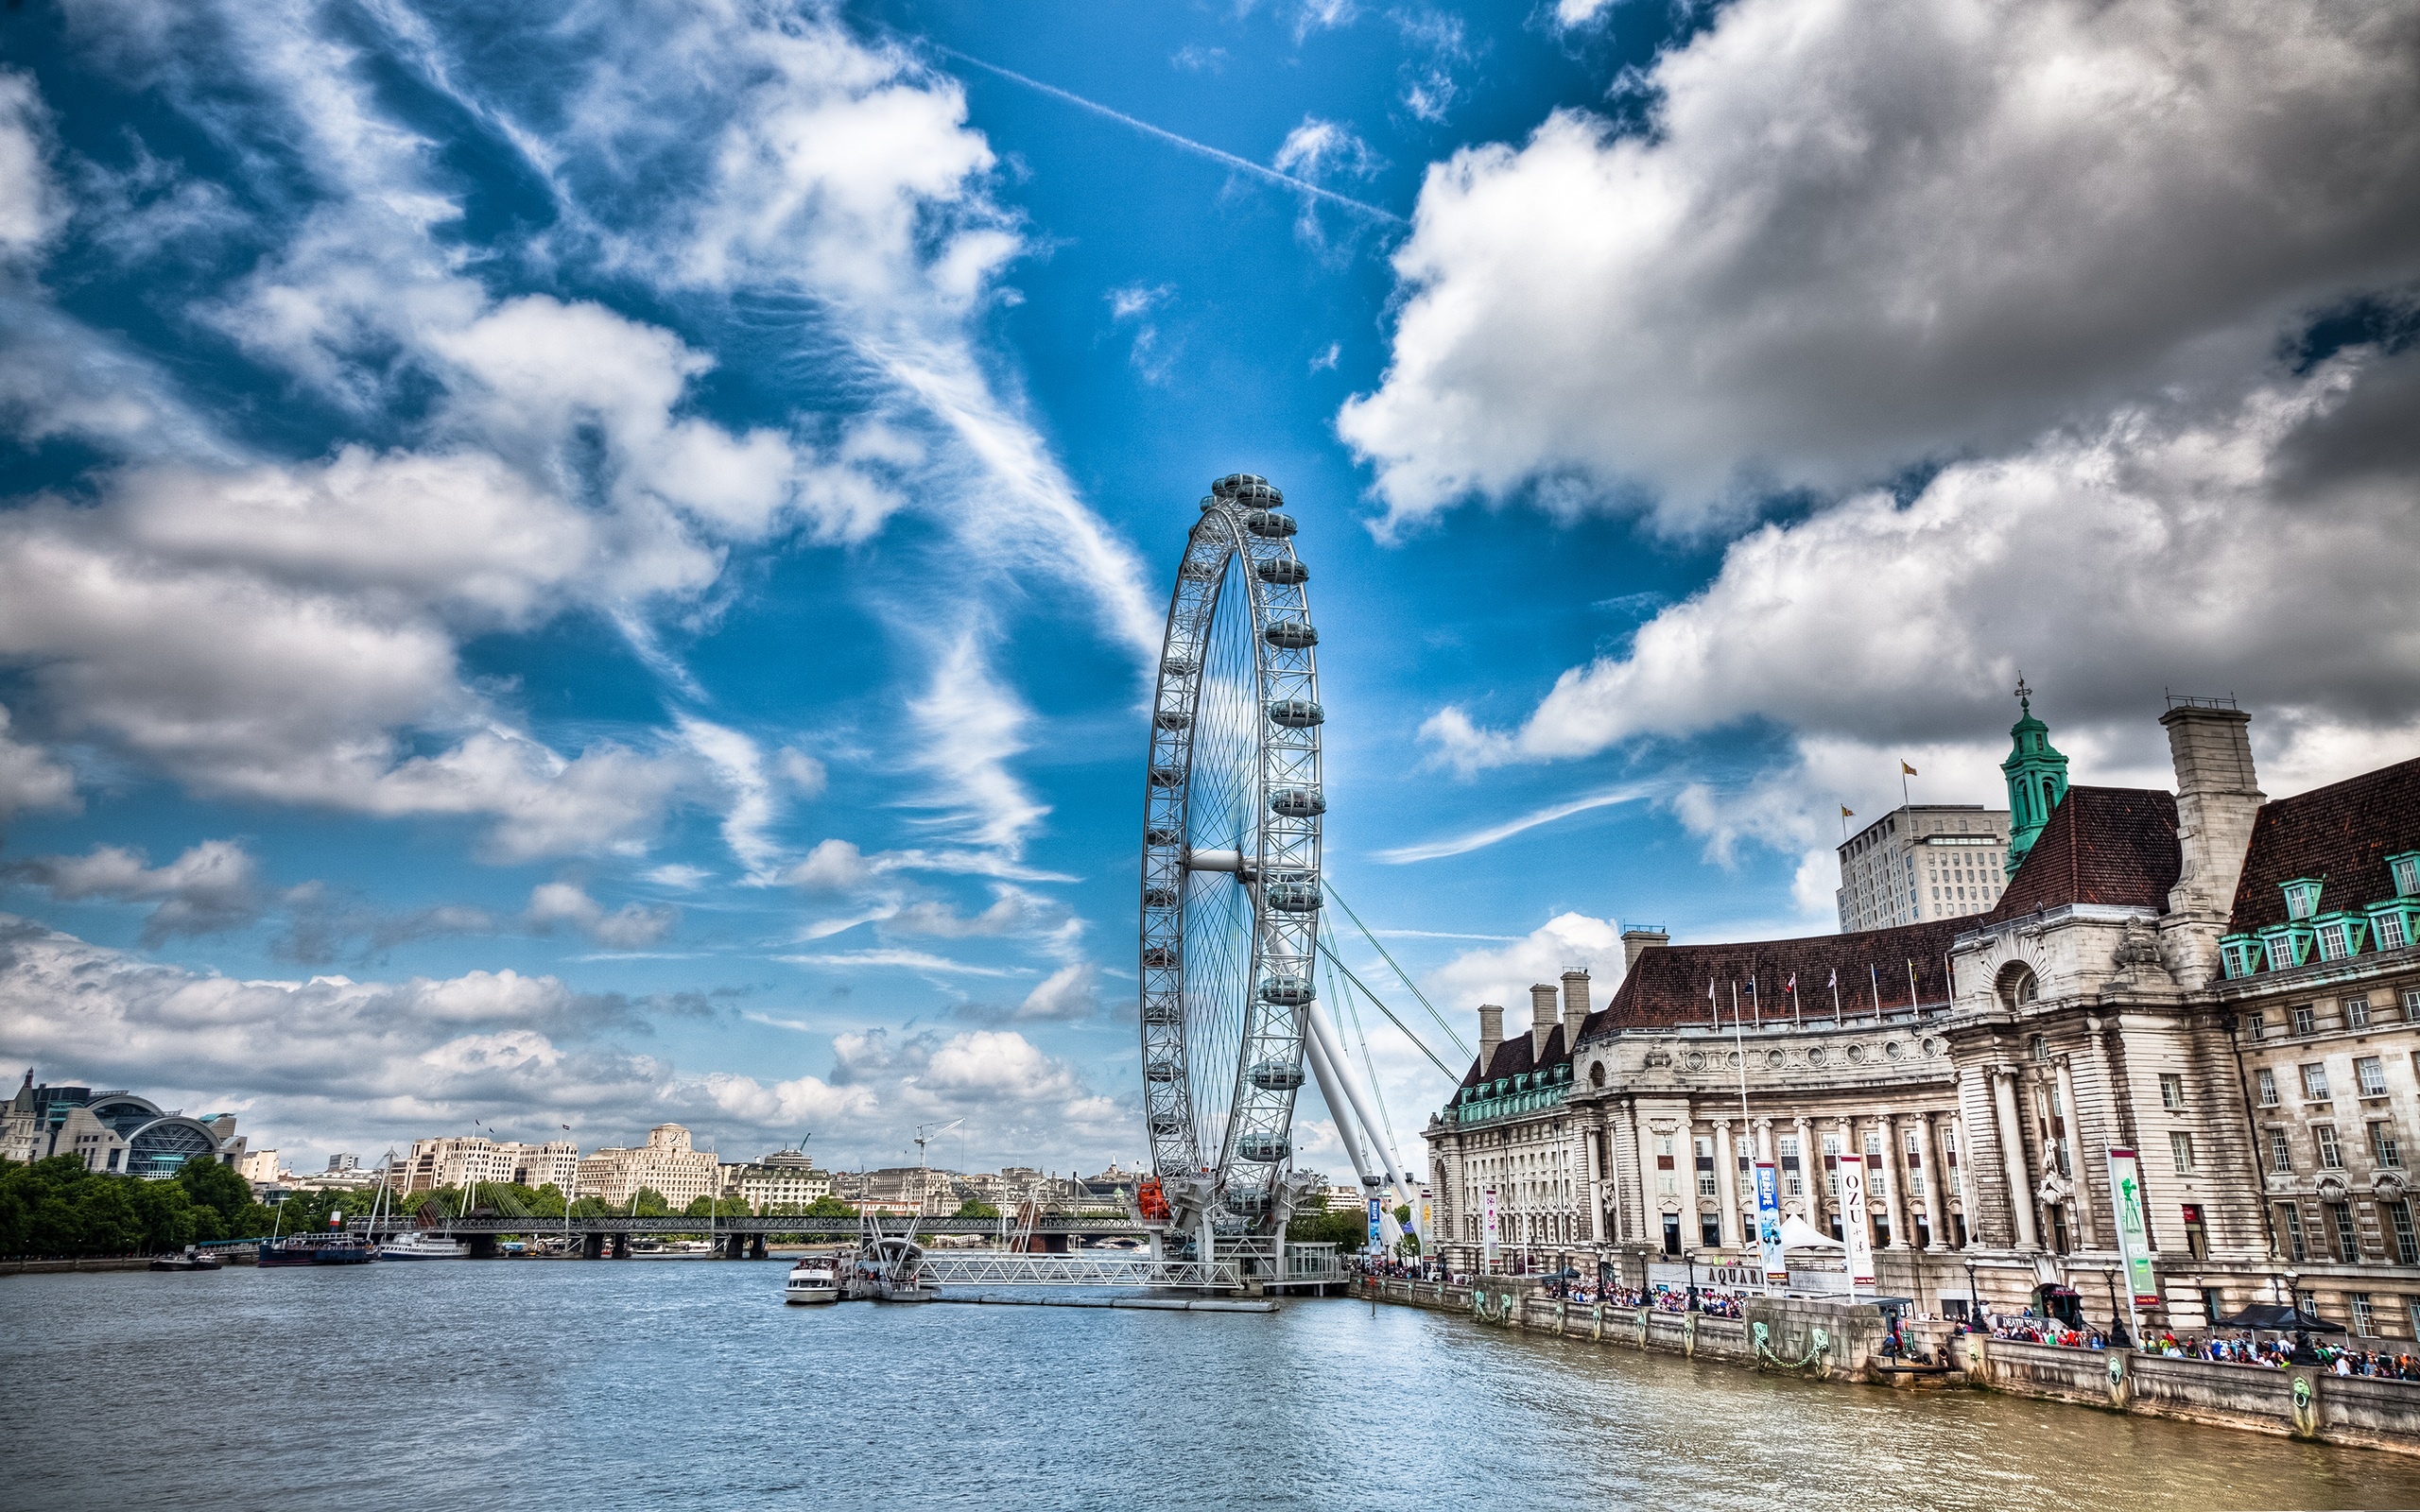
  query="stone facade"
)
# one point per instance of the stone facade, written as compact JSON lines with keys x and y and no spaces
{"x":665,"y":1164}
{"x":1985,"y":1066}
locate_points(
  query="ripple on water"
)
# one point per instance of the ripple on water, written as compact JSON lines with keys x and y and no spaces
{"x":642,"y":1384}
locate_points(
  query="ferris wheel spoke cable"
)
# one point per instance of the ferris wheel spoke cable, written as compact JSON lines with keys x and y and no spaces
{"x":1328,"y":951}
{"x":1369,"y":1062}
{"x":1401,"y":975}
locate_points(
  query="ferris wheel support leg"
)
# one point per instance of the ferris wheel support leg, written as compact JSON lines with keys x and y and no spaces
{"x":1324,"y":1035}
{"x":1332,"y":1093}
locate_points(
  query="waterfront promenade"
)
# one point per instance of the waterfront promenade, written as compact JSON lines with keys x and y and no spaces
{"x":1841,"y":1342}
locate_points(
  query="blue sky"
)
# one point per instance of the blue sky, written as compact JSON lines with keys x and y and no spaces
{"x":599,"y":567}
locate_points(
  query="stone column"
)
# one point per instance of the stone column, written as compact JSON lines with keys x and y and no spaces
{"x":1593,"y":1177}
{"x":1642,"y":1201}
{"x":1810,"y":1172}
{"x":2080,"y":1210}
{"x":1726,"y":1184}
{"x":1936,"y":1181}
{"x":2012,"y":1137}
{"x":1896,"y":1204}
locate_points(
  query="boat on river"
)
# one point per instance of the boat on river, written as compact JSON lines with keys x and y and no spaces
{"x":190,"y":1259}
{"x":424,"y":1244}
{"x":812,"y":1281}
{"x":318,"y":1249}
{"x":890,"y":1268}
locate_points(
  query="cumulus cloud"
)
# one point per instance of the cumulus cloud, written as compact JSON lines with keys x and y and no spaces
{"x":334,"y":1063}
{"x":1073,"y":992}
{"x":1504,"y":976}
{"x":1858,"y":236}
{"x":29,"y":779}
{"x":632,"y":926}
{"x":212,"y":888}
{"x":29,"y":206}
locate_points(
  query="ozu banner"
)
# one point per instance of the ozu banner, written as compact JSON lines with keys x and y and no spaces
{"x":1487,"y":1225}
{"x":1768,"y":1223}
{"x":1377,"y":1221}
{"x":1854,"y":1232}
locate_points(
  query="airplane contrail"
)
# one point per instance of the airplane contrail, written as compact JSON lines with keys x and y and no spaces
{"x":1185,"y":143}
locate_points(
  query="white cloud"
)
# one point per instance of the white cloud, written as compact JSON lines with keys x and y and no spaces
{"x":1134,"y":303}
{"x":29,"y":205}
{"x":212,"y":888}
{"x":1319,"y":147}
{"x":751,"y":815}
{"x":1073,"y":992}
{"x":972,"y":728}
{"x":1014,"y":911}
{"x":28,"y":778}
{"x":1862,"y":235}
{"x":1504,"y":976}
{"x":902,"y":960}
{"x":632,"y":926}
{"x":1487,"y":835}
{"x":804,"y":774}
{"x":1326,"y":360}
{"x":2107,"y":566}
{"x":676,"y":876}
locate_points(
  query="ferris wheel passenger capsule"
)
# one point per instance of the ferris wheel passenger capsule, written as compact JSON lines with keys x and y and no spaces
{"x":1269,"y":525}
{"x":1285,"y":570}
{"x":1171,"y":719}
{"x":1276,"y":1077}
{"x":1292,"y":635}
{"x":1295,"y":895}
{"x":1265,"y":1148}
{"x":1297,"y":802}
{"x":1286,"y":991}
{"x":1295,"y":713}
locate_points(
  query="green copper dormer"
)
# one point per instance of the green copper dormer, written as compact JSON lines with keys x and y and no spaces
{"x":2037,"y":777}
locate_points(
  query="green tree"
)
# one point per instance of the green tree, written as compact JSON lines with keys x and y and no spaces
{"x":974,"y":1208}
{"x":216,"y":1187}
{"x":1344,"y":1228}
{"x":648,"y":1203}
{"x":830,"y":1207}
{"x":717,"y":1208}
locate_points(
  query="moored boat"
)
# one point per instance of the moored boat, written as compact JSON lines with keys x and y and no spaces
{"x":318,"y":1249}
{"x":190,"y":1259}
{"x":423,"y":1243}
{"x":812,"y":1281}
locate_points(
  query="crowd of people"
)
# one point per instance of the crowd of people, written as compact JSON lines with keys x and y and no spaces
{"x":2274,"y":1351}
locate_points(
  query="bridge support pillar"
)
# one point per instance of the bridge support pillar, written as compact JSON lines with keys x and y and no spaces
{"x":756,"y":1246}
{"x":735,"y":1246}
{"x":591,"y":1246}
{"x":482,"y":1245}
{"x":621,"y":1246}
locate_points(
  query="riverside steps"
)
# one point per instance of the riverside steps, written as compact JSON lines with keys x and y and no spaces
{"x":1841,"y":1342}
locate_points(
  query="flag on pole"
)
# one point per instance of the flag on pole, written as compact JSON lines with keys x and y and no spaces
{"x":1908,"y":770}
{"x":1847,"y":813}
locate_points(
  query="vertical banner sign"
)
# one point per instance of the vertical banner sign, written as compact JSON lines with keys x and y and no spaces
{"x":1422,"y":1213}
{"x":1487,"y":1225}
{"x":1377,"y":1208}
{"x":2134,"y":1231}
{"x":1854,"y":1232}
{"x":1769,"y":1225}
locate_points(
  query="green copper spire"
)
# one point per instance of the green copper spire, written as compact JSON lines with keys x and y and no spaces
{"x":2037,"y":777}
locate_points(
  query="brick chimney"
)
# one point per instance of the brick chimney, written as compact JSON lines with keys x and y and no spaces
{"x":2218,"y":792}
{"x":1490,"y":1033}
{"x":1575,"y":1005}
{"x":1542,"y":1017}
{"x":1636,"y":940}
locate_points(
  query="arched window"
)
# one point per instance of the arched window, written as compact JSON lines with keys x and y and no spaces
{"x":1596,"y":1074}
{"x":2050,"y":800}
{"x":2016,"y":984}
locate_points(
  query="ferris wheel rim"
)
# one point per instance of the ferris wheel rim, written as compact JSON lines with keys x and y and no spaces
{"x":1242,"y":541}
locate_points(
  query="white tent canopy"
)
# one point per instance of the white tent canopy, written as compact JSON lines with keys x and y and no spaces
{"x":1797,"y":1233}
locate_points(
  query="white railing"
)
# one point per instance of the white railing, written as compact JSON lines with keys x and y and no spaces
{"x":1083,"y":1268}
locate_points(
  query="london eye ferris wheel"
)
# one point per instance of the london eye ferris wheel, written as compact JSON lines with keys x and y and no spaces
{"x":1230,"y":884}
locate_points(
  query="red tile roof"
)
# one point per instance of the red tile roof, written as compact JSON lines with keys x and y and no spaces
{"x":2342,"y":833}
{"x":1515,"y":1056}
{"x":2104,"y":845}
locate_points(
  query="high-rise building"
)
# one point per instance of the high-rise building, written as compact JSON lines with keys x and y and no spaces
{"x":665,"y":1164}
{"x":1921,"y":862}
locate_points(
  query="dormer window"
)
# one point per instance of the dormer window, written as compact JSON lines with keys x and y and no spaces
{"x":2240,"y":957}
{"x":2302,"y":898}
{"x":2407,"y":873}
{"x":2340,"y":936}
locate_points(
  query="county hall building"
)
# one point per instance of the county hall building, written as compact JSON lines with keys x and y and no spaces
{"x":2224,"y":985}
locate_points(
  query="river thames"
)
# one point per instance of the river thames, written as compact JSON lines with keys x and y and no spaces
{"x":646,"y":1384}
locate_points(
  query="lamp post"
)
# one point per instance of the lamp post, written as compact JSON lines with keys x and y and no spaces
{"x":1974,"y":1297}
{"x":1690,"y":1258}
{"x":2294,"y":1298}
{"x":2118,"y":1339}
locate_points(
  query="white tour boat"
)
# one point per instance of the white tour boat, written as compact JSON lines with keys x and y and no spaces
{"x":423,"y":1243}
{"x":811,"y":1281}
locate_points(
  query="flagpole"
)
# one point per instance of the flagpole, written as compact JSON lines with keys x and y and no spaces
{"x":1755,"y":1002}
{"x":1740,"y":1048}
{"x":1912,"y":1010}
{"x":1873,"y":979}
{"x":1836,"y":994}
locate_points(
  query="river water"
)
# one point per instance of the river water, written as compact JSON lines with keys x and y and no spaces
{"x":657,"y":1383}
